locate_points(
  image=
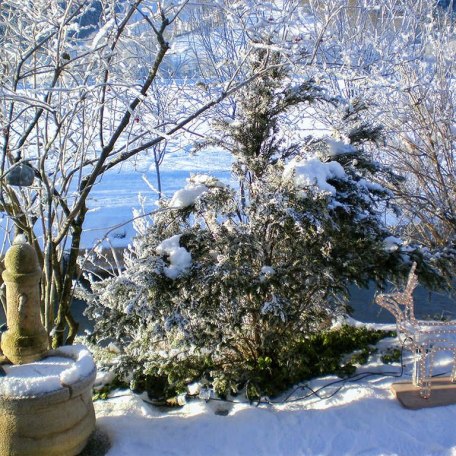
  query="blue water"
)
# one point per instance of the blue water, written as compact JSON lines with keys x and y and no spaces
{"x":427,"y":305}
{"x":116,"y":195}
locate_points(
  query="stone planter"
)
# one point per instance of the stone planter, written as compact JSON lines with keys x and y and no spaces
{"x":46,"y":407}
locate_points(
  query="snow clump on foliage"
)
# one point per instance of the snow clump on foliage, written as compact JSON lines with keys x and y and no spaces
{"x":339,"y":147}
{"x":187,"y":196}
{"x":392,"y":243}
{"x":196,"y":186}
{"x":180,"y":259}
{"x":313,"y":172}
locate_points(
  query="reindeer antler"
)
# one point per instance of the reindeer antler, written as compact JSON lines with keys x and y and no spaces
{"x":393,"y":301}
{"x":412,"y":280}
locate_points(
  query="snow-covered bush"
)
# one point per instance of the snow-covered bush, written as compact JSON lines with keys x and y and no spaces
{"x":227,"y":283}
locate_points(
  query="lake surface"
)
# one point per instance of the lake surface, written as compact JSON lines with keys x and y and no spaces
{"x":427,"y":305}
{"x":113,"y":199}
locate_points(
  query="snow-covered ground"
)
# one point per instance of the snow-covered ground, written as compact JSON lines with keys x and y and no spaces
{"x":362,"y":418}
{"x":113,"y":199}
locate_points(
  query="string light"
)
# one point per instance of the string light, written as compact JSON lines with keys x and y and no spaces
{"x":422,"y":337}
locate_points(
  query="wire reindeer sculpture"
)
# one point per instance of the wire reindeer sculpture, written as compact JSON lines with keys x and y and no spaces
{"x":422,"y":337}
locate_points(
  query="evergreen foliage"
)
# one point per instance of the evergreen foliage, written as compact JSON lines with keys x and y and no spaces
{"x":328,"y":352}
{"x":234,"y":286}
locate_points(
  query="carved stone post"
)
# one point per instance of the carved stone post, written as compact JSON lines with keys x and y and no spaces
{"x":26,"y":339}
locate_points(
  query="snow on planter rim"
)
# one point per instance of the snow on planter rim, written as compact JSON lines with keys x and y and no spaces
{"x":64,"y":367}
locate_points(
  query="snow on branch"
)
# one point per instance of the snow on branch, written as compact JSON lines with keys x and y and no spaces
{"x":314,"y":173}
{"x":26,"y":100}
{"x":180,"y":259}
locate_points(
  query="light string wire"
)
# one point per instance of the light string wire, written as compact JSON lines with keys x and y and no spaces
{"x":289,"y":398}
{"x":311,"y":392}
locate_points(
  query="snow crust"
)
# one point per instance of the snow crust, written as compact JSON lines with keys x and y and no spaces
{"x":48,"y":374}
{"x":313,"y":172}
{"x":20,"y":239}
{"x":81,"y":368}
{"x":101,"y":33}
{"x":34,"y":379}
{"x":180,"y":258}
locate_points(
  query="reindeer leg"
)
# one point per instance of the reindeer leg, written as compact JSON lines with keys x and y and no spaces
{"x":417,"y":371}
{"x":426,"y":360}
{"x":453,"y":370}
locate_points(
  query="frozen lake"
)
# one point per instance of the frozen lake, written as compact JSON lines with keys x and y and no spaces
{"x":117,"y":196}
{"x":427,"y":305}
{"x":113,"y":199}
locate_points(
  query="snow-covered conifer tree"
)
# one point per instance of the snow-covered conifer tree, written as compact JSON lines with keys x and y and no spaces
{"x":227,"y":281}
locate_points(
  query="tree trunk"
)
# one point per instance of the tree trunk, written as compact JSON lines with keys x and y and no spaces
{"x":64,"y":315}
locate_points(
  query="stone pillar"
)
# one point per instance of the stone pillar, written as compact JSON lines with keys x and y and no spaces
{"x":26,"y":339}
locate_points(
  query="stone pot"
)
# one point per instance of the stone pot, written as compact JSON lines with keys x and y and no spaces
{"x":56,"y":421}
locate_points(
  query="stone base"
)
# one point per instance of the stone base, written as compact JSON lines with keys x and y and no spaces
{"x":443,"y":392}
{"x":24,"y":349}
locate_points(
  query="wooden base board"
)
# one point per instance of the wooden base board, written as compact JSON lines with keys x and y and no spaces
{"x":443,"y":392}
